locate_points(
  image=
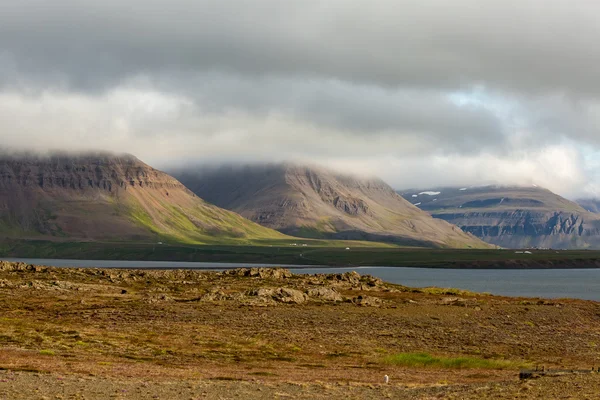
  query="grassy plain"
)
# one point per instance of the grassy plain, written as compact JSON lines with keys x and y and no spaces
{"x":93,"y":333}
{"x":305,"y":252}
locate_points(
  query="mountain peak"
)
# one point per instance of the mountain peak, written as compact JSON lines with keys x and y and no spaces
{"x":313,"y":201}
{"x":107,"y":196}
{"x":81,"y":171}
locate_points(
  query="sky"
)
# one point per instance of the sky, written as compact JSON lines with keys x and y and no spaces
{"x":420,"y":93}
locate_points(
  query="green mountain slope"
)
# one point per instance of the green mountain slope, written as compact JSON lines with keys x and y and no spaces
{"x":318,"y":203}
{"x":110,"y":198}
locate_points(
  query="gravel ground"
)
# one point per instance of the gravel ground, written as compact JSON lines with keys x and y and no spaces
{"x":35,"y":386}
{"x":253,"y":334}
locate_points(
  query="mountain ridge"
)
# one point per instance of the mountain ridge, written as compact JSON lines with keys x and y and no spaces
{"x":313,"y":201}
{"x":104,"y":196}
{"x":512,"y":216}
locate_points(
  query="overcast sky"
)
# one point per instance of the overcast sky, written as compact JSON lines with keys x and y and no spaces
{"x":421,"y":93}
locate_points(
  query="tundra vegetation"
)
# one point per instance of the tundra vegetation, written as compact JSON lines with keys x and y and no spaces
{"x":266,"y":333}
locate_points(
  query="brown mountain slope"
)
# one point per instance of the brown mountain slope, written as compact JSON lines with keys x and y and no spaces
{"x":315,"y":202}
{"x":512,"y":216}
{"x":108,"y":197}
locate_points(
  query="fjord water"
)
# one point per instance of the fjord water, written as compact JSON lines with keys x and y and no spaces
{"x":548,"y":283}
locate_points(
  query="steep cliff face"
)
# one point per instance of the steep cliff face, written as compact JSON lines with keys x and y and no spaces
{"x":107,"y":197}
{"x":311,"y":201}
{"x":83,"y":172}
{"x":513,"y":217}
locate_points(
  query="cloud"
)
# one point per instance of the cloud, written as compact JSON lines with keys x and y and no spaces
{"x":532,"y":45}
{"x":426,"y":92}
{"x":140,"y":118}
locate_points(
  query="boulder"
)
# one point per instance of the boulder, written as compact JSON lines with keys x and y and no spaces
{"x":291,"y":296}
{"x":214,"y":295}
{"x":367,"y":301}
{"x":455,"y":301}
{"x":324,"y":293}
{"x":280,"y":295}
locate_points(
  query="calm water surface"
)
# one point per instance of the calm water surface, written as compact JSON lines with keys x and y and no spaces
{"x":554,"y":283}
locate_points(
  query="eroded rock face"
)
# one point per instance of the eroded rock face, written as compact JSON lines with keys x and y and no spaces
{"x":328,"y":193}
{"x":513,"y":216}
{"x":523,"y":228}
{"x":93,"y":171}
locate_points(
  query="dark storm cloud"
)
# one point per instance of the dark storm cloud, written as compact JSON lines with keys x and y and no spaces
{"x":525,"y":45}
{"x":354,"y":109}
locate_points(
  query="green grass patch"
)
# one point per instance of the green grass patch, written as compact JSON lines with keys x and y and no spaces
{"x":428,"y":361}
{"x":47,"y":352}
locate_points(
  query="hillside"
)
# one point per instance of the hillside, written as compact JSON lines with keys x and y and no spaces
{"x":512,"y":216}
{"x":108,"y":197}
{"x":590,"y":204}
{"x":317,"y":203}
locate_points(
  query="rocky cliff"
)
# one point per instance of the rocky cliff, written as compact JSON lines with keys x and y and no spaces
{"x":109,"y":197}
{"x":310,"y":201}
{"x":512,"y":217}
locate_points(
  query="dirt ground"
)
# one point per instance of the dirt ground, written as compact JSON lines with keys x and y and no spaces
{"x":35,"y":386}
{"x":258,"y":333}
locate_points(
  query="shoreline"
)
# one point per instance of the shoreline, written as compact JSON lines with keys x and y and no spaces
{"x":583,"y":264}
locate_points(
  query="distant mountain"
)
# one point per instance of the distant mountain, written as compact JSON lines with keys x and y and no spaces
{"x":108,"y":197}
{"x":590,"y":204}
{"x":512,"y":216}
{"x":315,"y":202}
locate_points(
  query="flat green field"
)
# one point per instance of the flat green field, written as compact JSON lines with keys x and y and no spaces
{"x":305,"y":252}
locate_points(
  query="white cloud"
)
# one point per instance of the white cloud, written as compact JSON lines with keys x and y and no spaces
{"x":421,"y":93}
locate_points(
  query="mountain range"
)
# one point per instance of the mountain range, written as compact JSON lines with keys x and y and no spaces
{"x":314,"y":202}
{"x":118,"y":198}
{"x":513,"y":216}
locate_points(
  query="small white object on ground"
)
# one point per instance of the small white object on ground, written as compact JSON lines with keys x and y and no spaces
{"x":386,"y":379}
{"x":347,"y":248}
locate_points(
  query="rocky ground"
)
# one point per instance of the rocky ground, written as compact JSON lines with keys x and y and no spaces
{"x":265,"y":333}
